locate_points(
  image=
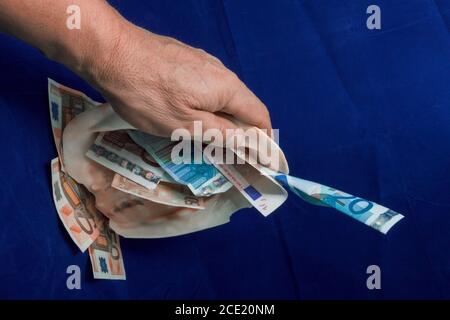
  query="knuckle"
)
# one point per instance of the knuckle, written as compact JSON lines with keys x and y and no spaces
{"x":230,"y":79}
{"x":200,"y":51}
{"x":189,"y":125}
{"x":233,"y":76}
{"x":172,"y":48}
{"x":183,"y":105}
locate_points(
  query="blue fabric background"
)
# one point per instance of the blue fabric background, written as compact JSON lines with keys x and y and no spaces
{"x":365,"y":111}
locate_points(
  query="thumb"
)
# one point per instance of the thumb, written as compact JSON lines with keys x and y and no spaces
{"x":216,"y":124}
{"x":247,"y":108}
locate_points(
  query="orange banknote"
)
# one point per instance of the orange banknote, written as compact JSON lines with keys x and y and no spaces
{"x":76,"y":208}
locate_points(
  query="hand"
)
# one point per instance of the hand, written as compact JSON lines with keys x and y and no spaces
{"x":159,"y":84}
{"x":156,"y":83}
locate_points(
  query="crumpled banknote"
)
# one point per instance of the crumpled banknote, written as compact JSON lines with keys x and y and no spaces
{"x":110,"y":179}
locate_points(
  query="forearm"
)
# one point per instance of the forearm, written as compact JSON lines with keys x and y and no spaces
{"x":155,"y":83}
{"x":42,"y":23}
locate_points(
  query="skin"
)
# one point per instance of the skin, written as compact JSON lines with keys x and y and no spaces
{"x":156,"y":83}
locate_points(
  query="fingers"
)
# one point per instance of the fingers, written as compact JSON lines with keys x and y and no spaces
{"x":241,"y":102}
{"x":215,"y":121}
{"x":223,"y":124}
{"x":214,"y":60}
{"x":246,"y":107}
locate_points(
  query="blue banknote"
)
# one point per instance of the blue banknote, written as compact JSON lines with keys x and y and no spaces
{"x":370,"y":213}
{"x":203,"y":179}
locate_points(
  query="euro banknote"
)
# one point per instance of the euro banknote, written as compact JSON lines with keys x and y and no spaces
{"x":261,"y":191}
{"x":75,"y":207}
{"x":370,"y":213}
{"x":202,"y":179}
{"x":117,"y":152}
{"x":87,"y":227}
{"x":65,"y":104}
{"x":268,"y":194}
{"x":166,"y":193}
{"x":106,"y":255}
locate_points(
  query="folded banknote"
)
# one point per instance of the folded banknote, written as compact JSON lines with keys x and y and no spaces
{"x":202,"y":179}
{"x":116,"y":151}
{"x":370,"y":213}
{"x":262,"y":187}
{"x":75,"y":205}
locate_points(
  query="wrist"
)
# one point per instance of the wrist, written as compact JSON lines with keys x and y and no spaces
{"x":105,"y":43}
{"x":86,"y":51}
{"x":113,"y":63}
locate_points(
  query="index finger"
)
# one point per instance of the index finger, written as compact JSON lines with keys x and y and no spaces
{"x":247,"y":107}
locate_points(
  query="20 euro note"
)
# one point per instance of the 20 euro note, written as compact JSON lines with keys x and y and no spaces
{"x":169,"y":194}
{"x":202,"y":179}
{"x":367,"y":212}
{"x":76,"y":208}
{"x":106,"y":255}
{"x":370,"y":213}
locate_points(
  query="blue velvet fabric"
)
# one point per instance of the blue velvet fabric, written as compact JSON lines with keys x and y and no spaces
{"x":365,"y":111}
